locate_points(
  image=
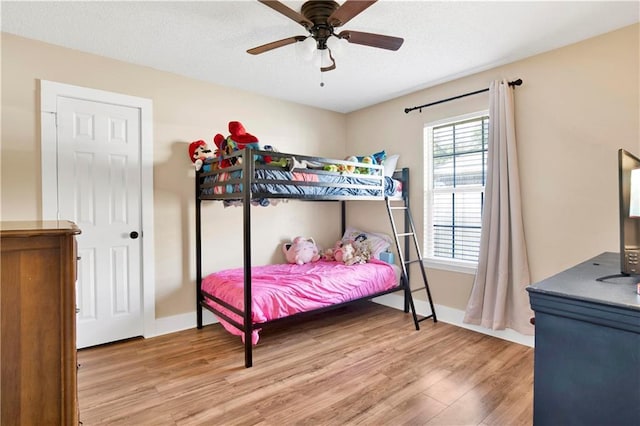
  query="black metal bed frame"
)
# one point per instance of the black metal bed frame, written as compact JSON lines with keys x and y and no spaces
{"x":248,"y":180}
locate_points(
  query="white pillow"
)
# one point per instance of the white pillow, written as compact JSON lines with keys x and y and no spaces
{"x":377,"y":242}
{"x":390,"y":164}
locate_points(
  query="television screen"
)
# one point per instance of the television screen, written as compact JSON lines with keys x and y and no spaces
{"x":629,"y":207}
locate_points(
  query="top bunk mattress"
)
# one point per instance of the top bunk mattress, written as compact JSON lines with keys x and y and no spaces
{"x":301,"y":184}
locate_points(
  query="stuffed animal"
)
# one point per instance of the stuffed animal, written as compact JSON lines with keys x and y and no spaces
{"x":301,"y":250}
{"x":365,"y":170}
{"x":351,"y":252}
{"x":345,"y":253}
{"x":198,"y":152}
{"x":286,"y":163}
{"x":224,"y":146}
{"x":348,"y":168}
{"x":238,"y":139}
{"x":330,"y":253}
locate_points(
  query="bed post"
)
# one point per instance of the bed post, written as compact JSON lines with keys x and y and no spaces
{"x":343,"y":216}
{"x":199,"y":298}
{"x":407,"y":229}
{"x":247,"y":178}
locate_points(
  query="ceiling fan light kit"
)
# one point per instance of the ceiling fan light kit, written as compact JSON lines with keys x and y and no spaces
{"x":306,"y":48}
{"x":320,"y":18}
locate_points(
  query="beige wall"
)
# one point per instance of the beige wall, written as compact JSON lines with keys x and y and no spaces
{"x":184,"y":110}
{"x":578,"y":105}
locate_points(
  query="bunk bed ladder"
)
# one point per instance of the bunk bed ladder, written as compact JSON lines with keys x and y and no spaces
{"x":404,"y":255}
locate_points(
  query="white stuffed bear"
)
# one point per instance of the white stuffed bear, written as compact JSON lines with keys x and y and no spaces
{"x":301,"y":250}
{"x":352,"y":253}
{"x":345,"y":253}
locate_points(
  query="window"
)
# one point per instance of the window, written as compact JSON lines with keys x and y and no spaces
{"x":455,"y":175}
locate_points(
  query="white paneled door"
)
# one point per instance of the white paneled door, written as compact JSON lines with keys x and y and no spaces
{"x":99,"y":173}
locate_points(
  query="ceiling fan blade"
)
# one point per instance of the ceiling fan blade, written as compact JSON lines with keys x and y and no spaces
{"x":373,"y":40}
{"x":348,"y":10}
{"x":288,"y":12}
{"x":275,"y":44}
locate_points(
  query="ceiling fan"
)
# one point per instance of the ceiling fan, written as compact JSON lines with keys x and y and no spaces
{"x":320,"y":18}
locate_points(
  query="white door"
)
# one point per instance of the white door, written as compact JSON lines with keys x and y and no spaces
{"x":99,"y":189}
{"x":97,"y":170}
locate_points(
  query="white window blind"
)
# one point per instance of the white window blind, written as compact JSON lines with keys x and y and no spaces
{"x":455,"y":174}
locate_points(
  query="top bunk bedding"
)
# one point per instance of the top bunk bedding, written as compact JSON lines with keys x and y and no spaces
{"x":294,"y":177}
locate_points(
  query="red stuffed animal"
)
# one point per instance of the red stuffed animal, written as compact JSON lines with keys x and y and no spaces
{"x":238,"y":139}
{"x":239,"y":135}
{"x":198,"y":152}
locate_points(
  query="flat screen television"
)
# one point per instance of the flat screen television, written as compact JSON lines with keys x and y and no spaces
{"x":629,"y":221}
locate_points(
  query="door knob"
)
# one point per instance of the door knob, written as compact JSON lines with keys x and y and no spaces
{"x":133,"y":235}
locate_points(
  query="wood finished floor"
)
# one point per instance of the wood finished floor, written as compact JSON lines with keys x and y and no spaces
{"x":363,"y":365}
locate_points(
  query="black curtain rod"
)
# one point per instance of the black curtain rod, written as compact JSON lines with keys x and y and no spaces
{"x":517,"y":82}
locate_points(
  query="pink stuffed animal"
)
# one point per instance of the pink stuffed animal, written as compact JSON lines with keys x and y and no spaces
{"x":345,"y":253}
{"x":351,"y":253}
{"x":330,"y":253}
{"x":301,"y":250}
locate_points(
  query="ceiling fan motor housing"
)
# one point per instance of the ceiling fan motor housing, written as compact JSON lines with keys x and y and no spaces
{"x":318,"y":12}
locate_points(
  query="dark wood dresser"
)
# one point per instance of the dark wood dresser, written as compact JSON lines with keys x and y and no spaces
{"x":587,"y":348}
{"x":38,"y":340}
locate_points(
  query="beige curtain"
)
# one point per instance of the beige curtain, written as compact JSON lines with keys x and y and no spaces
{"x":498,"y":298}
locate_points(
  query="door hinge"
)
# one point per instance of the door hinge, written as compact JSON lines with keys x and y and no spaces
{"x":55,"y":116}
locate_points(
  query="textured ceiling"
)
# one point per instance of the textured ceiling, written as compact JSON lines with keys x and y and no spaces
{"x":207,"y":40}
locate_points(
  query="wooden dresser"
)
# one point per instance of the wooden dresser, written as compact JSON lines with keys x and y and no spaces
{"x":38,"y":340}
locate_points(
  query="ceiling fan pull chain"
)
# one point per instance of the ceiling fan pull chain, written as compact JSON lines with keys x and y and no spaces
{"x":333,"y":63}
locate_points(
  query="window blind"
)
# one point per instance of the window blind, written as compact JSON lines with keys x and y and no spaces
{"x":458,"y":175}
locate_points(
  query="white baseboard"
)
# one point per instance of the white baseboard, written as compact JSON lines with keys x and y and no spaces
{"x":454,"y":317}
{"x":166,"y":325}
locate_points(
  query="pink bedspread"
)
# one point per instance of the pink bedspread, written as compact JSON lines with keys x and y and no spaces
{"x":285,"y":289}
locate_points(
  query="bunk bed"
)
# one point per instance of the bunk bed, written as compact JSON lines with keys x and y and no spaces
{"x":247,"y":179}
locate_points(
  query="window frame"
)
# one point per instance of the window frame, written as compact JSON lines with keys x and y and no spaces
{"x":454,"y":265}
